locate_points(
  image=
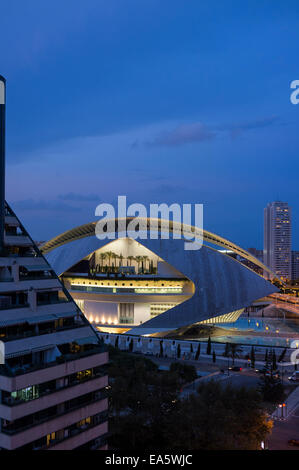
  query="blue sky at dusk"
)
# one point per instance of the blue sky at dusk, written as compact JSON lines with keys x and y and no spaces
{"x":162,"y":101}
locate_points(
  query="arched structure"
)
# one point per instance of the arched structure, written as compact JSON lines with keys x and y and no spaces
{"x":88,"y":230}
{"x":222,"y":286}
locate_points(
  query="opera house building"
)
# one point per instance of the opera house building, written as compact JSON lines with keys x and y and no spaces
{"x":155,"y":285}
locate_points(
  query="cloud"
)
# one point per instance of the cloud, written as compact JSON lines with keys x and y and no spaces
{"x":42,"y":205}
{"x":184,"y":134}
{"x":197,"y":132}
{"x":79,"y":197}
{"x":237,"y":129}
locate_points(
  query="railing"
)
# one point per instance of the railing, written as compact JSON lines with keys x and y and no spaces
{"x":32,"y":333}
{"x":36,"y":277}
{"x":10,"y":234}
{"x":11,"y":401}
{"x":8,"y":371}
{"x":52,"y":302}
{"x":13,"y":306}
{"x":76,"y":432}
{"x":36,"y":422}
{"x":126,"y":290}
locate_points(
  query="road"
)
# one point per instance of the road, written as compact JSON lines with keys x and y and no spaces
{"x":283,"y":431}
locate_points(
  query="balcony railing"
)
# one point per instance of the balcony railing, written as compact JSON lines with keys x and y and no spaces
{"x":32,"y":333}
{"x":11,"y":429}
{"x":13,"y":306}
{"x":77,"y":431}
{"x":8,"y":371}
{"x":36,"y":277}
{"x":11,"y":401}
{"x":52,"y":301}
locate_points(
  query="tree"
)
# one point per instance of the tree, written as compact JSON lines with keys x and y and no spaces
{"x":116,"y":342}
{"x":214,"y":356}
{"x":209,"y":346}
{"x":252,"y":356}
{"x":103,"y":256}
{"x":121,"y":258}
{"x":186,"y":372}
{"x":191,"y":425}
{"x":178,"y":353}
{"x":226,"y":351}
{"x":234,"y":351}
{"x":131,"y":344}
{"x":266,"y":355}
{"x":151,"y":266}
{"x":274,"y":363}
{"x":109,"y":255}
{"x":191,"y":348}
{"x":197,"y":352}
{"x":281,"y":357}
{"x":145,"y":259}
{"x":139,"y":260}
{"x":131,"y":258}
{"x":271,"y":388}
{"x":146,"y":410}
{"x":161,"y":349}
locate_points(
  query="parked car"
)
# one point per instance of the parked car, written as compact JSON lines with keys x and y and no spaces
{"x":276,"y":375}
{"x":235,"y":368}
{"x":295,"y":376}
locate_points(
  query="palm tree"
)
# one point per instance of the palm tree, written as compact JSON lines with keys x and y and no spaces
{"x":103,"y":256}
{"x":139,"y":260}
{"x":145,"y":259}
{"x":109,"y":255}
{"x":115,"y":257}
{"x":130,"y":259}
{"x":121,"y":258}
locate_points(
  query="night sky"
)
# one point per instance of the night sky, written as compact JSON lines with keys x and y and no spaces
{"x":162,"y":101}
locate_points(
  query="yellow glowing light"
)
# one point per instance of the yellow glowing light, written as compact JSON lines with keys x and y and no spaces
{"x":91,"y":318}
{"x":103,"y":319}
{"x":97,"y":320}
{"x":109,"y":321}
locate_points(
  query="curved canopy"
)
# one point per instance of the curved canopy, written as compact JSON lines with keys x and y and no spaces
{"x":88,"y":230}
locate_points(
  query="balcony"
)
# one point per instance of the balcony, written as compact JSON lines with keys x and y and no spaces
{"x":82,"y":437}
{"x":11,"y":439}
{"x":33,"y":333}
{"x":18,"y":240}
{"x":52,"y":302}
{"x":14,"y":409}
{"x":34,"y":374}
{"x":25,"y":284}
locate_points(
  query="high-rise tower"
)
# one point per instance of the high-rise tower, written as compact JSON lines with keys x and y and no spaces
{"x":278,"y":239}
{"x":53,"y":380}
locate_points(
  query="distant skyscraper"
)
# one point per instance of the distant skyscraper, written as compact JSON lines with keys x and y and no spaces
{"x":295,"y":265}
{"x":278,"y":239}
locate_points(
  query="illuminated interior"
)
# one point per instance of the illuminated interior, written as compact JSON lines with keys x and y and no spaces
{"x":124,"y":284}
